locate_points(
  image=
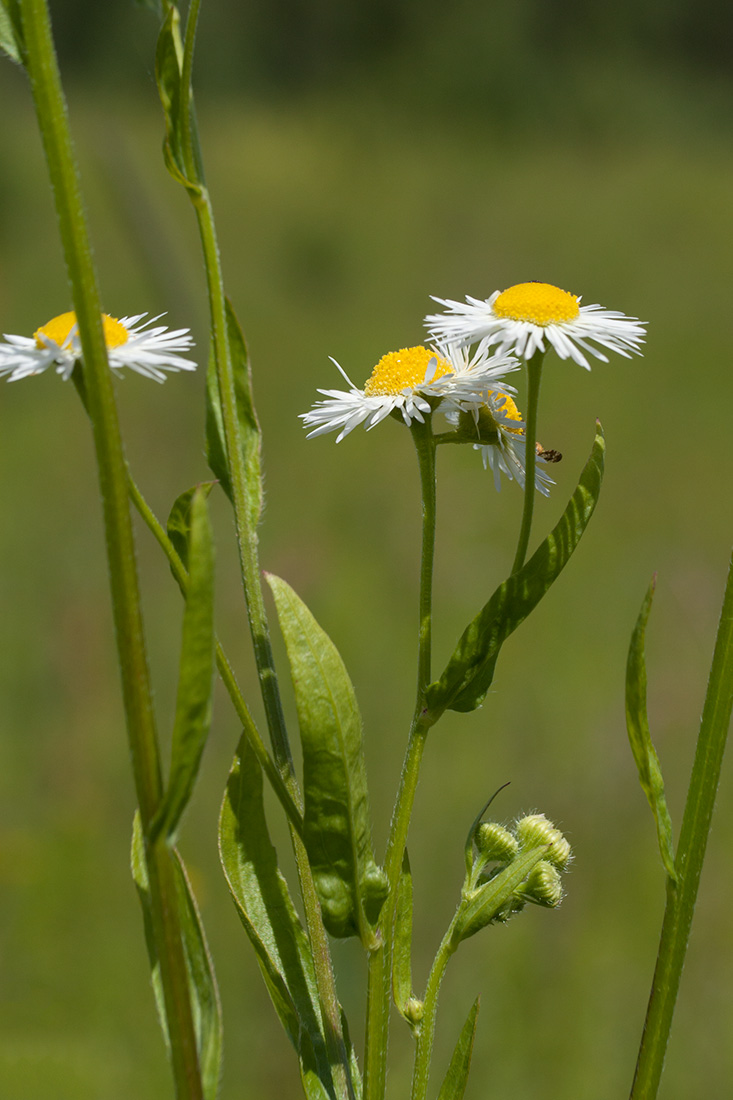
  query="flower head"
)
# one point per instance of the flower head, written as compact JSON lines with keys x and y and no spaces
{"x":520,"y":319}
{"x":412,"y":382}
{"x":149,"y":351}
{"x":499,"y":425}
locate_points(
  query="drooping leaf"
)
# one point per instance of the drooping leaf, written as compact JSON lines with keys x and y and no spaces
{"x":202,"y":981}
{"x":11,"y":31}
{"x":267,"y":912}
{"x":337,"y":829}
{"x":196,"y":671}
{"x":489,"y":900}
{"x":179,"y":520}
{"x":469,"y":672}
{"x":402,"y":951}
{"x":248,"y":427}
{"x":640,"y":738}
{"x":454,"y":1085}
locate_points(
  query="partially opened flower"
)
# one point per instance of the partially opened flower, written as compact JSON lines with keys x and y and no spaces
{"x":149,"y":351}
{"x":522,"y":318}
{"x":412,"y":382}
{"x":500,"y":428}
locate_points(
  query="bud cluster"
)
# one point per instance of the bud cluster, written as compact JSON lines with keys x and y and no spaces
{"x":504,"y":876}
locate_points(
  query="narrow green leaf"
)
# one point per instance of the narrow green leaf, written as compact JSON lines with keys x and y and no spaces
{"x":640,"y":738}
{"x":179,"y":520}
{"x":168,"y":63}
{"x":402,"y":957}
{"x":470,"y":670}
{"x":205,"y":995}
{"x":195,"y":678}
{"x":267,"y":912}
{"x":487,"y":901}
{"x":454,"y":1085}
{"x":11,"y":31}
{"x":249,"y":429}
{"x":337,"y":830}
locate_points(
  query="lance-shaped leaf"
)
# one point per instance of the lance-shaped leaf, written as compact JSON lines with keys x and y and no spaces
{"x":454,"y":1085}
{"x":195,"y":678}
{"x":248,"y":427}
{"x":640,"y":738}
{"x":267,"y":912}
{"x":11,"y":31}
{"x":179,"y":522}
{"x":488,"y":901}
{"x":402,"y":952}
{"x":470,"y":670}
{"x":337,"y":830}
{"x":202,"y":981}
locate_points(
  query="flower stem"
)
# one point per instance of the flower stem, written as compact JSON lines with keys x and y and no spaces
{"x":534,"y":377}
{"x":426,"y":1033}
{"x":248,"y":546}
{"x":379,"y":992}
{"x":696,"y":822}
{"x":53,"y":124}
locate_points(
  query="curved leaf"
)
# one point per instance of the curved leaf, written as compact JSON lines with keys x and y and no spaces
{"x":179,"y":522}
{"x":337,"y":830}
{"x":454,"y":1085}
{"x":640,"y":738}
{"x":470,"y":670}
{"x":249,"y":428}
{"x":267,"y":912}
{"x":196,"y":672}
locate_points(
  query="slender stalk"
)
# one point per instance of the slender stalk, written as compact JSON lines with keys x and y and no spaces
{"x":248,"y":546}
{"x":379,"y":989}
{"x":690,"y":855}
{"x":53,"y":123}
{"x":426,"y":1034}
{"x":534,"y":377}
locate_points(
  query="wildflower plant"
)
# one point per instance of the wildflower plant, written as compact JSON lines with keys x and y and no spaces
{"x":452,"y":391}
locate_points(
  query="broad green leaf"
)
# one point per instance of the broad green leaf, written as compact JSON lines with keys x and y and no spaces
{"x":267,"y":912}
{"x":179,"y":520}
{"x":470,"y":670}
{"x":640,"y":738}
{"x":195,"y":677}
{"x":337,"y":830}
{"x":402,"y":957}
{"x":204,"y":992}
{"x":248,"y":427}
{"x":11,"y":31}
{"x":454,"y":1085}
{"x":487,"y":901}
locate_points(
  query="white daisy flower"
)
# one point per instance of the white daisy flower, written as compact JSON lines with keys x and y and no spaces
{"x":520,"y":319}
{"x":414,"y":382}
{"x":501,"y":429}
{"x":149,"y":351}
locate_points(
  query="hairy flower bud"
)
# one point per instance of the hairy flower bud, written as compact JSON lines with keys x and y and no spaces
{"x":494,"y":842}
{"x":543,"y":886}
{"x":535,"y":831}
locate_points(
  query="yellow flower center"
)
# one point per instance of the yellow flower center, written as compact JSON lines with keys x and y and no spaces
{"x":399,"y":369}
{"x":58,"y":330}
{"x":539,"y":303}
{"x":506,"y":405}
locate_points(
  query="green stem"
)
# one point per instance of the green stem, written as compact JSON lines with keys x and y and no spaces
{"x":379,"y":991}
{"x":534,"y":377}
{"x":248,"y":546}
{"x":53,"y":123}
{"x":690,"y":855}
{"x":426,"y":1033}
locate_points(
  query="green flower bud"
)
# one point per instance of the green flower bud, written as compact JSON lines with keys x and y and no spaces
{"x":543,"y":885}
{"x":535,"y":831}
{"x":414,"y":1011}
{"x":494,"y":842}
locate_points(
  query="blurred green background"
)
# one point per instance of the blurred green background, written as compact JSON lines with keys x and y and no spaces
{"x":362,"y":157}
